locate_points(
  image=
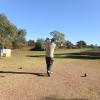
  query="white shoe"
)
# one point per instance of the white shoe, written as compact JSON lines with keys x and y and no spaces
{"x":48,"y":73}
{"x":51,"y":72}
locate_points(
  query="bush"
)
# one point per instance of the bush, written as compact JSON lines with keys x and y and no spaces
{"x":39,"y":45}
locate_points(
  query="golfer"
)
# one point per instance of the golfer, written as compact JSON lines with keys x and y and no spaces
{"x":50,"y":55}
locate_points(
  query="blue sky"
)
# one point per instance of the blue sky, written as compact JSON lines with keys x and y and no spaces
{"x":77,"y":19}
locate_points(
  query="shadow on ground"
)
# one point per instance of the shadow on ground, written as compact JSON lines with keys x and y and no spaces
{"x":90,"y":55}
{"x":56,"y":98}
{"x":13,"y":72}
{"x":35,"y":56}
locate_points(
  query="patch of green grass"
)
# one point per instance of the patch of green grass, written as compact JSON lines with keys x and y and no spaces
{"x":28,"y":58}
{"x":84,"y":54}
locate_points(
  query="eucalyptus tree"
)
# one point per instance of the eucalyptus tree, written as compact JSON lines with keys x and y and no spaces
{"x":60,"y":38}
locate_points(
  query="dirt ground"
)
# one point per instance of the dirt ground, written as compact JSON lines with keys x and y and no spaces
{"x":66,"y":83}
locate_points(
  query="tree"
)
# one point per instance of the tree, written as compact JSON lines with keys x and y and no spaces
{"x":69,"y":45}
{"x":31,"y":43}
{"x":7,"y":32}
{"x":81,"y":44}
{"x":39,"y":45}
{"x":93,"y":46}
{"x":19,"y":40}
{"x":60,"y":38}
{"x":10,"y":36}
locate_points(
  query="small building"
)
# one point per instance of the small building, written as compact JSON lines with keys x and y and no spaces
{"x":5,"y":52}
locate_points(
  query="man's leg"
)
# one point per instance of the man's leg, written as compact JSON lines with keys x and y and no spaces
{"x":47,"y":63}
{"x":50,"y":63}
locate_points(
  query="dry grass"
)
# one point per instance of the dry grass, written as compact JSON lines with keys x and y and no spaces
{"x":23,"y":77}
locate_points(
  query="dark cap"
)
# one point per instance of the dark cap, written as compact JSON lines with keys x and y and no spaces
{"x":53,"y":40}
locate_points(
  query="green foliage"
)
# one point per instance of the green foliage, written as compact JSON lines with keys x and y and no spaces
{"x":69,"y":45}
{"x":31,"y":43}
{"x":60,"y":37}
{"x":92,"y":46}
{"x":10,"y":36}
{"x":39,"y":45}
{"x":4,"y":22}
{"x":81,"y":44}
{"x":19,"y":39}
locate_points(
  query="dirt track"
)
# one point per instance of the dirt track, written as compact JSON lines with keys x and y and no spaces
{"x":66,"y":83}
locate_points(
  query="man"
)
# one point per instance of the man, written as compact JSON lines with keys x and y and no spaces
{"x":50,"y":55}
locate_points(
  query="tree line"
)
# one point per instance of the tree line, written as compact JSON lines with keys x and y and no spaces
{"x":14,"y":38}
{"x":60,"y":42}
{"x":10,"y":35}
